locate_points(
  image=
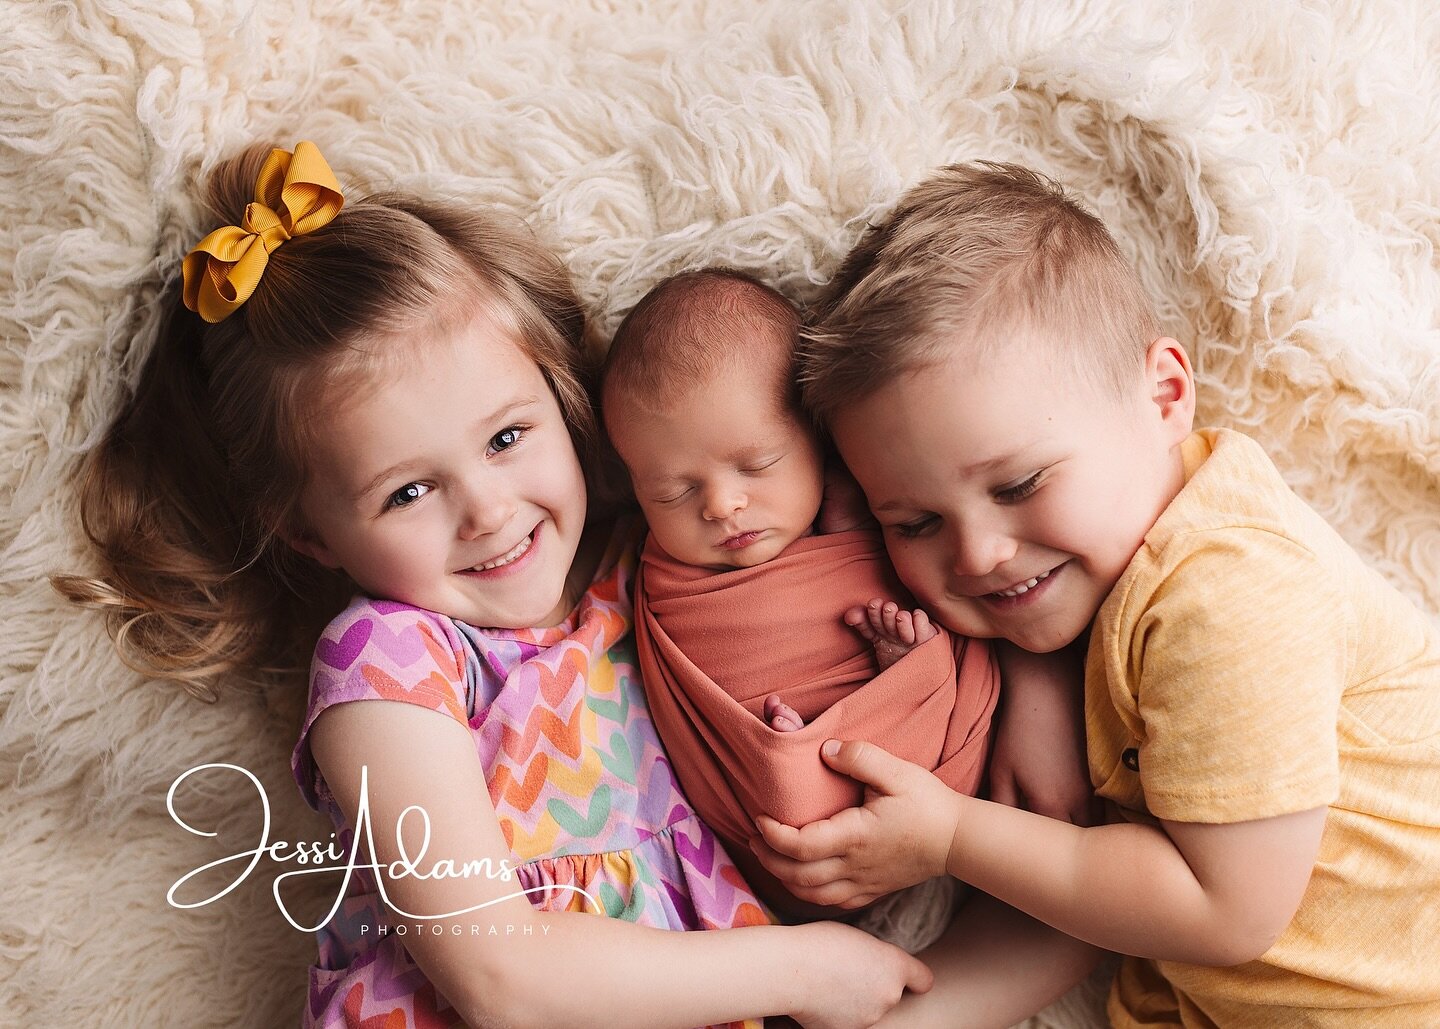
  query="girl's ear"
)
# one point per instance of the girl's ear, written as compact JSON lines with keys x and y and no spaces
{"x":1172,"y":386}
{"x":309,"y":545}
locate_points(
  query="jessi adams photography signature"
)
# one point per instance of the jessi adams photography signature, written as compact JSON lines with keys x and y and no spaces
{"x":320,"y":857}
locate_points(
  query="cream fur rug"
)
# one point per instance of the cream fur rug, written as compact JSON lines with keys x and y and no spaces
{"x":1273,"y":168}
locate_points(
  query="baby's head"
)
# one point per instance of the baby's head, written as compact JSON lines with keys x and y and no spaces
{"x":995,"y":378}
{"x":699,"y":399}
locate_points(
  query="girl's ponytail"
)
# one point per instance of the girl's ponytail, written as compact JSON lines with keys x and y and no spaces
{"x":187,"y":573}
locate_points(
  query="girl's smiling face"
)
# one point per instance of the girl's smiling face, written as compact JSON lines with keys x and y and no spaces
{"x":451,"y":484}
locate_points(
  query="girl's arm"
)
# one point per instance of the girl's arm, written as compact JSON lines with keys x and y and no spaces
{"x":564,"y":968}
{"x":1198,"y":893}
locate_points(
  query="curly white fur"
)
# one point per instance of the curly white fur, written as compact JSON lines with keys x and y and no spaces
{"x":1274,"y":170}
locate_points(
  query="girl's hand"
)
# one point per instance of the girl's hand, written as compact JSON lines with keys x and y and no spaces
{"x":856,"y":978}
{"x":899,"y":837}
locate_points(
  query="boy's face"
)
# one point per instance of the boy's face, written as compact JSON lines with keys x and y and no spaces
{"x":1012,"y":497}
{"x":727,"y":476}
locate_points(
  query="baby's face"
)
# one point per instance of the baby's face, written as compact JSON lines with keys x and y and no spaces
{"x":1012,"y":497}
{"x":727,"y":476}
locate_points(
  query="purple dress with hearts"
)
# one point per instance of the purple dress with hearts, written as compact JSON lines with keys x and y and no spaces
{"x":581,"y":786}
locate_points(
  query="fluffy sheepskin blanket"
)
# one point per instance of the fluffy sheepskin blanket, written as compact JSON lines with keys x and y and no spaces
{"x":1273,"y":169}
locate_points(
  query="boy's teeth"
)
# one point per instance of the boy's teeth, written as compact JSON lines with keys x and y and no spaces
{"x":1024,"y":587}
{"x":505,"y":558}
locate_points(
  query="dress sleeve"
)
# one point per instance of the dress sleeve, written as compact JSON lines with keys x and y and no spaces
{"x":380,"y":650}
{"x":1241,"y":651}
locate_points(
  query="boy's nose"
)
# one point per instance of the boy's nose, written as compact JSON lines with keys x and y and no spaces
{"x":979,"y":550}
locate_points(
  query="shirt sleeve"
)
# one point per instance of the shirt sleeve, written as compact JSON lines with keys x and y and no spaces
{"x":1241,"y":652}
{"x":380,"y":650}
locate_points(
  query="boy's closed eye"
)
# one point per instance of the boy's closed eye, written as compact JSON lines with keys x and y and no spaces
{"x":1021,"y":490}
{"x":918,"y":527}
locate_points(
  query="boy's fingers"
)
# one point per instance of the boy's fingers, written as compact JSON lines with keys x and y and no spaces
{"x":813,"y":842}
{"x":865,"y":762}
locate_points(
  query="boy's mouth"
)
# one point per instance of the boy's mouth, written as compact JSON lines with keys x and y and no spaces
{"x":1025,"y":591}
{"x":1022,"y":587}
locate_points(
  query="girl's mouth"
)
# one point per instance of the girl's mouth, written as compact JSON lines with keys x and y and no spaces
{"x":510,"y":556}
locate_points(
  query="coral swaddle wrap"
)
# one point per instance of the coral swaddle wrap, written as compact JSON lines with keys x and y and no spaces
{"x":714,"y":645}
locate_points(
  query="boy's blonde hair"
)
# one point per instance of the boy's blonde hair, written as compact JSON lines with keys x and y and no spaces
{"x":976,"y":257}
{"x":189,"y":495}
{"x":691,"y":326}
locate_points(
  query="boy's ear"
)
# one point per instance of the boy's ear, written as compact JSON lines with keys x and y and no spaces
{"x":1172,"y":385}
{"x":306,"y":543}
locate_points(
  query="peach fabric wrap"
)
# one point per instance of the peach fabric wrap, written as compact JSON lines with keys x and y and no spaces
{"x":714,"y":645}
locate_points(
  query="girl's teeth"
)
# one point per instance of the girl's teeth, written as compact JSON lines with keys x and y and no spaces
{"x":1024,"y":587}
{"x":507,"y":557}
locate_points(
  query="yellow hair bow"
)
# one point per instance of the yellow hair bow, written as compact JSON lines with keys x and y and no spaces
{"x":294,"y":194}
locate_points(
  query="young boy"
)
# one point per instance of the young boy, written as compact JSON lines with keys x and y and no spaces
{"x":1262,"y":710}
{"x":746,"y":660}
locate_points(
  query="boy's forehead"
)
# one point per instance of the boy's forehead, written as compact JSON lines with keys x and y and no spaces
{"x":951,"y":415}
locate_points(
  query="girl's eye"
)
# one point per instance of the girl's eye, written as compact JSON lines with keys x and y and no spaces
{"x":406,"y":495}
{"x":505,"y":439}
{"x":1011,"y":494}
{"x":919,"y":527}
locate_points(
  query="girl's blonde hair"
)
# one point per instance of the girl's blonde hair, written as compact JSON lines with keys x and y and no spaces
{"x":189,"y":492}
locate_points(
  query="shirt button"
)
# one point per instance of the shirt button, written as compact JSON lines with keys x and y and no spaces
{"x":1131,"y":759}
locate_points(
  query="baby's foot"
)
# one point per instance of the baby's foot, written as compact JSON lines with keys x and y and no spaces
{"x":781,"y":716}
{"x":891,"y":631}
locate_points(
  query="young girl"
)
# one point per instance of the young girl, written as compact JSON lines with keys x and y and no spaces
{"x":388,"y":395}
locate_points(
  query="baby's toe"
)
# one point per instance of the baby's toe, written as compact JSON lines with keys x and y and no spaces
{"x":889,"y":615}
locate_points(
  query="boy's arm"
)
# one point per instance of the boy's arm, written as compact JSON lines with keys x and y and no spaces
{"x":1197,"y":893}
{"x":1038,"y":761}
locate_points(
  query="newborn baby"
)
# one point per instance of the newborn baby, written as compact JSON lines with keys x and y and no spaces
{"x":762,"y":633}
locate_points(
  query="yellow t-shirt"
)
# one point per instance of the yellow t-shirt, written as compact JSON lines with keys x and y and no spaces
{"x":1246,"y":665}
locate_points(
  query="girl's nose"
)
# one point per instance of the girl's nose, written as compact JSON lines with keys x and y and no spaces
{"x":483,"y":509}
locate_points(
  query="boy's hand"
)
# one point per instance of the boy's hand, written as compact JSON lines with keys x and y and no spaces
{"x":1038,"y":761}
{"x":1040,"y":768}
{"x":899,"y":837}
